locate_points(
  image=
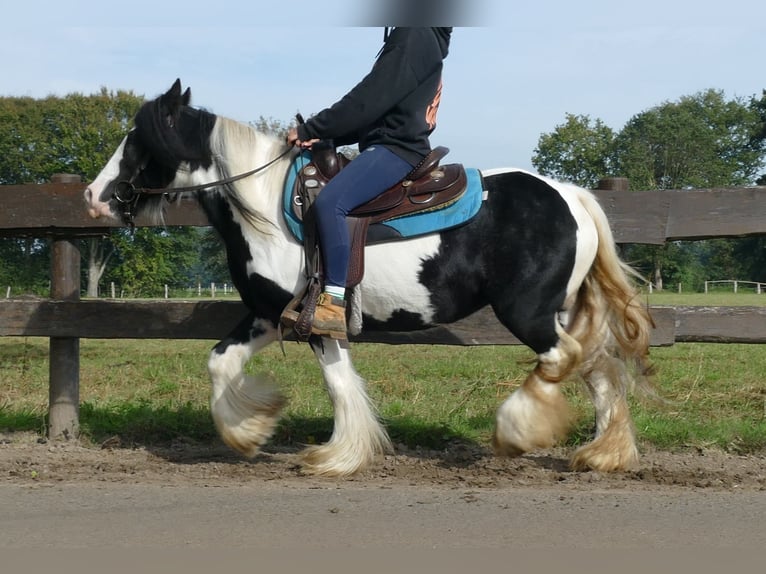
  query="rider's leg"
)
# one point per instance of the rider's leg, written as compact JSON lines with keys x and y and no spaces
{"x":371,"y":173}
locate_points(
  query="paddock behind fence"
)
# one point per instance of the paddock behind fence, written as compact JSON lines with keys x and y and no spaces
{"x":735,"y":284}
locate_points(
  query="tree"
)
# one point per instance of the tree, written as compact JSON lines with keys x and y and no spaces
{"x":150,"y":258}
{"x":213,"y":263}
{"x":24,"y":265}
{"x":100,"y":252}
{"x":579,"y":150}
{"x":750,"y":253}
{"x":701,"y":140}
{"x":74,"y":134}
{"x":759,"y":139}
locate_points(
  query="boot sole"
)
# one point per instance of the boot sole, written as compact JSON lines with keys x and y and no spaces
{"x":290,"y":318}
{"x":332,"y":334}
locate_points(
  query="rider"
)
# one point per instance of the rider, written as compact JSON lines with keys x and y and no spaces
{"x":390,"y":114}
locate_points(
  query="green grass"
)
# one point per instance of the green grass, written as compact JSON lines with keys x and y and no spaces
{"x":715,"y":298}
{"x":150,"y":392}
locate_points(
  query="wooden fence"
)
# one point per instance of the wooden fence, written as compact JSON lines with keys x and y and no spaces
{"x":57,"y":211}
{"x":759,"y":287}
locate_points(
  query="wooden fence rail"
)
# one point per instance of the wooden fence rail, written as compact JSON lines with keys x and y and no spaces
{"x":651,"y":217}
{"x":56,"y":210}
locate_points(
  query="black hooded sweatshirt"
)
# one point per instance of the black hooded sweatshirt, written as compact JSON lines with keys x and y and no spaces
{"x":395,"y":104}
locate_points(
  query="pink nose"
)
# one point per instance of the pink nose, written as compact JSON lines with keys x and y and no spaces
{"x":96,"y":208}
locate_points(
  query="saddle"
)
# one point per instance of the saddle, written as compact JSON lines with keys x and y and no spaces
{"x":428,"y":186}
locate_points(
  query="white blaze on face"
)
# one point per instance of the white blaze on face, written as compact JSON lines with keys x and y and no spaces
{"x":99,"y":206}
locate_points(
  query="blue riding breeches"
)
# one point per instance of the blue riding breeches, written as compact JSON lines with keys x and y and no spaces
{"x":371,"y":173}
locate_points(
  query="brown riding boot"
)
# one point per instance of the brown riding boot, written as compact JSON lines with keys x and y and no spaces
{"x":330,"y":317}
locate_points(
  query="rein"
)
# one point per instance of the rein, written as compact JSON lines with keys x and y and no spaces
{"x":127,"y":194}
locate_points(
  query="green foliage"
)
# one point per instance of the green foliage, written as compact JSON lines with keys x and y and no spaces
{"x":702,"y":140}
{"x":699,"y":141}
{"x":580,"y":151}
{"x":759,"y":105}
{"x":272,"y":126}
{"x":690,"y":263}
{"x":212,"y":264}
{"x":750,"y":253}
{"x":150,"y":258}
{"x":74,"y":134}
{"x":24,"y":266}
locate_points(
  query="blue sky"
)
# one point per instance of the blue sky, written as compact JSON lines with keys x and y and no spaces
{"x":510,"y":77}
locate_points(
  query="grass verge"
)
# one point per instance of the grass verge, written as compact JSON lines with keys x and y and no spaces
{"x":149,"y":392}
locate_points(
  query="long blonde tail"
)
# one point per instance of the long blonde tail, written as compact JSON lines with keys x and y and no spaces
{"x":611,"y":280}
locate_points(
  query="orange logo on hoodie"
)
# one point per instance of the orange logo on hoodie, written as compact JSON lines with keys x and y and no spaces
{"x":433,"y":108}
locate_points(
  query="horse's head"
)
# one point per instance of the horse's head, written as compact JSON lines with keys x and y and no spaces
{"x":149,"y":157}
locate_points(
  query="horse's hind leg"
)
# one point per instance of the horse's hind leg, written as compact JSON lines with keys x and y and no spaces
{"x":536,"y":415}
{"x":245,"y":408}
{"x":357,"y":434}
{"x":614,"y":447}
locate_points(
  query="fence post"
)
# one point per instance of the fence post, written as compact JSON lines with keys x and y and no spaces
{"x":616,"y":184}
{"x":64,"y":373}
{"x":613,"y":184}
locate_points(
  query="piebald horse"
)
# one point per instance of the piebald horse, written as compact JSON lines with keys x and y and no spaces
{"x":539,"y":252}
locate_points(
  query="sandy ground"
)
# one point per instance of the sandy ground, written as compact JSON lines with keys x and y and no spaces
{"x":204,"y":495}
{"x":26,"y":459}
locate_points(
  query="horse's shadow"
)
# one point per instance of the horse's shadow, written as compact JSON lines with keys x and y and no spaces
{"x":186,"y":436}
{"x":410,"y":438}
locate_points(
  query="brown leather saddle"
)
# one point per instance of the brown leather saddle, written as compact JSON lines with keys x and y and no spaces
{"x":428,"y":186}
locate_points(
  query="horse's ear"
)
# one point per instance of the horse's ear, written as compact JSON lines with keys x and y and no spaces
{"x":171,"y":103}
{"x":186,"y":97}
{"x":175,"y":90}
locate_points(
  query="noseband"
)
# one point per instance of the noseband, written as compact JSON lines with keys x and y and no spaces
{"x":126,"y":194}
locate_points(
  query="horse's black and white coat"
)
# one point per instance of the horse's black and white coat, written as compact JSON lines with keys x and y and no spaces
{"x":539,"y":252}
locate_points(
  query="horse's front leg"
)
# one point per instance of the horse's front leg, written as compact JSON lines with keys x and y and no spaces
{"x":358,"y":435}
{"x":245,"y":408}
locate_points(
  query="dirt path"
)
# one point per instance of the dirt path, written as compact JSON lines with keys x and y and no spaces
{"x":204,"y":495}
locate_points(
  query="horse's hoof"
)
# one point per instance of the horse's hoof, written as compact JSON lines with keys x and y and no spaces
{"x":505,"y":448}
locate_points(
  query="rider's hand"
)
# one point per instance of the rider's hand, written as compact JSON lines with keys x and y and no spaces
{"x":292,"y":136}
{"x":292,"y":139}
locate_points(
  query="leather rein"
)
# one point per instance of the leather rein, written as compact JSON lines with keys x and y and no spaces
{"x":127,"y":194}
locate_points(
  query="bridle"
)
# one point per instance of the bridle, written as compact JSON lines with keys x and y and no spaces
{"x":127,"y":195}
